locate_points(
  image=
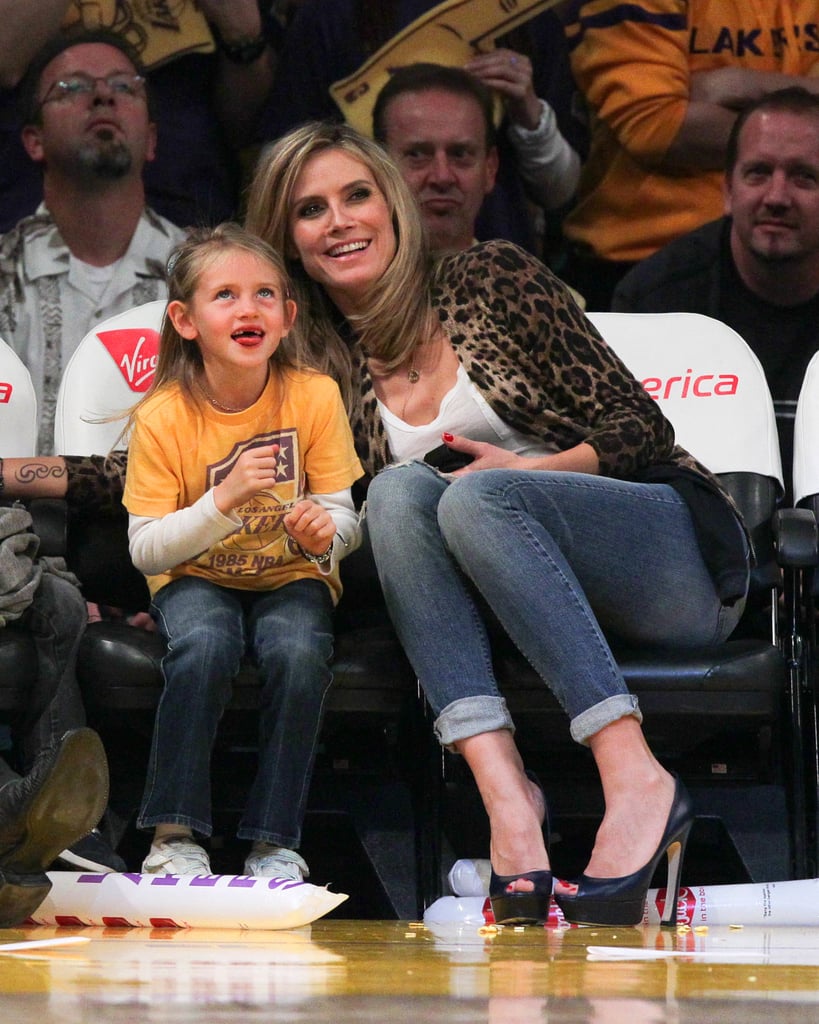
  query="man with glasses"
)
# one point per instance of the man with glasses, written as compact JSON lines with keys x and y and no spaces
{"x":92,"y":248}
{"x":210,"y":67}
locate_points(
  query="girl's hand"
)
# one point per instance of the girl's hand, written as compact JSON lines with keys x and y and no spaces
{"x":255,"y":471}
{"x":310,"y":526}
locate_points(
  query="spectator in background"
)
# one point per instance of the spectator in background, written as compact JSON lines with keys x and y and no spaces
{"x":327,"y":40}
{"x":757,"y":267}
{"x":437,"y":124}
{"x":665,"y":82}
{"x":210,"y":79}
{"x":93,"y":248}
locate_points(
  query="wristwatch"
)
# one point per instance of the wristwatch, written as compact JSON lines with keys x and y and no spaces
{"x":244,"y":51}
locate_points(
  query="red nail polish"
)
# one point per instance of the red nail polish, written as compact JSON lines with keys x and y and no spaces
{"x":448,"y":437}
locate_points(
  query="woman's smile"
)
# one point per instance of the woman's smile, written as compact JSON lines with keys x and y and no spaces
{"x":341,"y":227}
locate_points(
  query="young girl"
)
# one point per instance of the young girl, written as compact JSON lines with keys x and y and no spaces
{"x":238,"y":491}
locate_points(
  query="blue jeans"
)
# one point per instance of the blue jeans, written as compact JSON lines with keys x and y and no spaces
{"x":56,"y":619}
{"x":289,"y":633}
{"x":561,"y":559}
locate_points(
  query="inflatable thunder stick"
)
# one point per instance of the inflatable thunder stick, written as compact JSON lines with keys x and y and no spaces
{"x":789,"y":903}
{"x":173,"y":901}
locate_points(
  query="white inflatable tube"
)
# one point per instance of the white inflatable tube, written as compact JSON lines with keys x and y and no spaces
{"x":791,"y":903}
{"x":753,"y":903}
{"x":172,"y":901}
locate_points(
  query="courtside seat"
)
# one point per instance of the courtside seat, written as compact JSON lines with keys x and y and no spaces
{"x":18,"y":406}
{"x":806,"y":440}
{"x":110,"y":370}
{"x":806,"y":498}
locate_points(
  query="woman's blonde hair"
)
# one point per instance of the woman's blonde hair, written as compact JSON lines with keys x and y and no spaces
{"x":397,"y":315}
{"x":180,"y":359}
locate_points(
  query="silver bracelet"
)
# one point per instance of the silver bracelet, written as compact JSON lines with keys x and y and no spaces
{"x":321,"y":559}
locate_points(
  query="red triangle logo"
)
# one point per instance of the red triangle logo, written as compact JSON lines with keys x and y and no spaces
{"x":134,"y":350}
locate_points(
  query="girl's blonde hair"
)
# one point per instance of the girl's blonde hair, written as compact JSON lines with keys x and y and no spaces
{"x":180,"y":359}
{"x":397,"y":315}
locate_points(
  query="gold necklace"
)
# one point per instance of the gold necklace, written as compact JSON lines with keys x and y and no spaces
{"x":217,"y":404}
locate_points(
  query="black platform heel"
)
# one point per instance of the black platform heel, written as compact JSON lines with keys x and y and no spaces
{"x":621,"y":901}
{"x":523,"y":907}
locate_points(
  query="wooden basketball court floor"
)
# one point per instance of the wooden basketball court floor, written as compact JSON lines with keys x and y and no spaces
{"x":342,"y":971}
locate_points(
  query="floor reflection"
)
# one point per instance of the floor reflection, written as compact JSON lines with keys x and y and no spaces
{"x":357,"y":971}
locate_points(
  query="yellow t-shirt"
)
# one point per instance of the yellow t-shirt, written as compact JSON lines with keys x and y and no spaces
{"x":179,"y":450}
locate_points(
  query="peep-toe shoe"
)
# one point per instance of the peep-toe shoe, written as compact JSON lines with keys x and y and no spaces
{"x":524,"y":907}
{"x":621,"y":901}
{"x":521,"y":907}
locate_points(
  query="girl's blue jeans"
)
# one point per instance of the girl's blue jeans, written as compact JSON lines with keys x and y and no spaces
{"x":209,"y":628}
{"x":562,"y":559}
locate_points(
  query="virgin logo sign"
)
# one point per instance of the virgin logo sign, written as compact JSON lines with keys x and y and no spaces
{"x":693,"y":385}
{"x":135,"y":351}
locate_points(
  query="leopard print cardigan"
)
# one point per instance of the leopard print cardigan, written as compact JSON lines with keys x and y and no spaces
{"x":539,"y":363}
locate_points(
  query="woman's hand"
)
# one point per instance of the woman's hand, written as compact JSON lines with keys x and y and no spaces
{"x":509,"y":74}
{"x":484,"y":455}
{"x":311,"y":526}
{"x":580,"y":459}
{"x":255,"y":471}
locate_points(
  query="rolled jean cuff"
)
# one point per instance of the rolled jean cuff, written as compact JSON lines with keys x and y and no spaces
{"x":607,"y":711}
{"x":471,"y":716}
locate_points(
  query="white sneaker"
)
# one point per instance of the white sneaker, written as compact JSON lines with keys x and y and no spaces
{"x":177,"y":855}
{"x":268,"y":861}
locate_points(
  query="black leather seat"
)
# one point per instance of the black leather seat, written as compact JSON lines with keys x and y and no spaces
{"x":806,"y":496}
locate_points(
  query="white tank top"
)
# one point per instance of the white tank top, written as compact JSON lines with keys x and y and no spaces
{"x":463,"y":411}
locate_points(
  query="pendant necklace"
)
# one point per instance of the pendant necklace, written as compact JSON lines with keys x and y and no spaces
{"x":413,"y":376}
